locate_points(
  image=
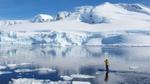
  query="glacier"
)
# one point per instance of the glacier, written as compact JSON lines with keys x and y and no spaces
{"x":55,"y":38}
{"x":104,"y":25}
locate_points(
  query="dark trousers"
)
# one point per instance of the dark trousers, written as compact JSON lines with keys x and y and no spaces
{"x":107,"y":68}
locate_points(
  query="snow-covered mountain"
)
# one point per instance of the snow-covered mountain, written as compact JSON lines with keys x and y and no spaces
{"x":62,"y":15}
{"x":42,"y":18}
{"x":135,"y":8}
{"x":113,"y":24}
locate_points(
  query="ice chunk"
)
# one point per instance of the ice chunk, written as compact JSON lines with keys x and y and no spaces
{"x":4,"y":72}
{"x":45,"y":70}
{"x":80,"y":82}
{"x":23,"y":70}
{"x":134,"y":67}
{"x":12,"y":66}
{"x":66,"y":78}
{"x":82,"y":76}
{"x":2,"y":67}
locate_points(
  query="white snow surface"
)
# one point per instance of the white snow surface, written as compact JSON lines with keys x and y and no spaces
{"x":119,"y":24}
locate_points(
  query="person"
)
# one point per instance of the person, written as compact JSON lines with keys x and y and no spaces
{"x":106,"y":76}
{"x":106,"y":65}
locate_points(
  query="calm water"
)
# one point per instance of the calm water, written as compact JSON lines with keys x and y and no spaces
{"x":20,"y":64}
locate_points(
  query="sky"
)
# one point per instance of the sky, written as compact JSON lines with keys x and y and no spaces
{"x":25,"y":9}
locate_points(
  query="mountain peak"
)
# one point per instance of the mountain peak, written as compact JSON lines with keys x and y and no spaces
{"x":107,"y":3}
{"x":42,"y":18}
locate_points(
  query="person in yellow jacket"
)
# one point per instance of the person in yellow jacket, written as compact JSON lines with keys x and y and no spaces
{"x":106,"y":65}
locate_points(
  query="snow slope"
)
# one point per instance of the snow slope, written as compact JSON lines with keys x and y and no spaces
{"x":113,"y":24}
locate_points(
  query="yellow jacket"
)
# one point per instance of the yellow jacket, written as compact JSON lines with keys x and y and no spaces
{"x":106,"y":62}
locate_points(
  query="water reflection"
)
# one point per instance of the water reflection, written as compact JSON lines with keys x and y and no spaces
{"x":39,"y":63}
{"x":106,"y":76}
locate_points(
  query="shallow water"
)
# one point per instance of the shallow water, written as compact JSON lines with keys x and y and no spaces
{"x":22,"y":64}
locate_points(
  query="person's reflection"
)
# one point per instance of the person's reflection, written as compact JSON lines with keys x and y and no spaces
{"x":106,"y":69}
{"x":106,"y":76}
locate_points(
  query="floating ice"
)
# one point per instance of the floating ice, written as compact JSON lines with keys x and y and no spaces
{"x":80,"y":82}
{"x":82,"y":76}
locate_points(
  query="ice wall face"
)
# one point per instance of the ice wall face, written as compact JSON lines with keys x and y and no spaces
{"x":54,"y":38}
{"x":11,"y":22}
{"x":48,"y":37}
